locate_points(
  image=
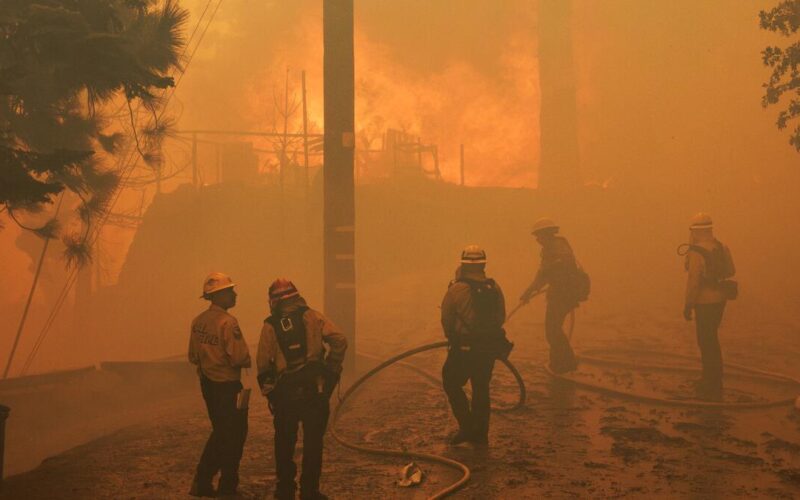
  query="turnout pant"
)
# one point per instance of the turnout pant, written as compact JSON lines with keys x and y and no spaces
{"x":475,"y":367}
{"x":562,"y":358}
{"x":290,"y":409}
{"x":707,"y":320}
{"x":223,"y":450}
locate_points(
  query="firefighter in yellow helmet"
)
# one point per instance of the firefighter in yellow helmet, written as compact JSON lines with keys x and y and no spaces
{"x":709,"y":266}
{"x":567,"y":285}
{"x":473,"y":313}
{"x":298,"y":377}
{"x":217,"y":347}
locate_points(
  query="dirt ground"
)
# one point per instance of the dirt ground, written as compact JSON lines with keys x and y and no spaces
{"x":566,"y":442}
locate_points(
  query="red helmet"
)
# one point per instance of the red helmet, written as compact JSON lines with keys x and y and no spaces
{"x":281,"y":289}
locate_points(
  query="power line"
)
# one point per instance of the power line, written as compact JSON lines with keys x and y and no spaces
{"x":33,"y":290}
{"x":129,"y":165}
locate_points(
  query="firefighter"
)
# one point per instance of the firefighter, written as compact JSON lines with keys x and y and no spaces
{"x":298,"y":377}
{"x":557,"y":271}
{"x":709,"y":266}
{"x":217,"y":347}
{"x":473,"y":313}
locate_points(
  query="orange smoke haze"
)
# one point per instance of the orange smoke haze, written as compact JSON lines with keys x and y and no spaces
{"x":668,"y":115}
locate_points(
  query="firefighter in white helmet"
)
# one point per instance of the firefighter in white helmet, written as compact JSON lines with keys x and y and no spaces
{"x":217,"y":347}
{"x":298,"y":374}
{"x":567,"y":285}
{"x":709,"y":266}
{"x":473,"y":313}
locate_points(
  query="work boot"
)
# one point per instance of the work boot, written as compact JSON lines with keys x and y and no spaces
{"x":564,"y":366}
{"x":228,"y":485}
{"x":708,"y":391}
{"x":459,"y":437}
{"x":285,"y":493}
{"x":201,"y":490}
{"x":312,"y":496}
{"x":479,"y":439}
{"x":229,"y":496}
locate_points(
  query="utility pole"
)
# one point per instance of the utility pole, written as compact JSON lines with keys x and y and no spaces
{"x":338,"y":175}
{"x":194,"y":160}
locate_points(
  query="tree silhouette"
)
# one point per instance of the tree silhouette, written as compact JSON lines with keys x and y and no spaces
{"x":785,"y":78}
{"x":62,"y":63}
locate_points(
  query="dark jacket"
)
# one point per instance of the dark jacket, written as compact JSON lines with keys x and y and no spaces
{"x":557,"y":270}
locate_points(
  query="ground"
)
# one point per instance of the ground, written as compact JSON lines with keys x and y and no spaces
{"x":565,"y":442}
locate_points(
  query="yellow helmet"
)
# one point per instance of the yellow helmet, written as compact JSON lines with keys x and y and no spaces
{"x":215,"y":282}
{"x":543,"y":224}
{"x":701,"y":220}
{"x":473,"y":254}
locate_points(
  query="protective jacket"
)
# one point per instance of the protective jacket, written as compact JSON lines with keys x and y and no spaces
{"x":458,"y":313}
{"x":700,"y":287}
{"x":217,"y":347}
{"x":319,"y":331}
{"x":557,"y":270}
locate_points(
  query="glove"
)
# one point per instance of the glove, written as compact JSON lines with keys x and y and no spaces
{"x":271,"y":396}
{"x":331,"y":380}
{"x":687,"y":313}
{"x":527,"y":295}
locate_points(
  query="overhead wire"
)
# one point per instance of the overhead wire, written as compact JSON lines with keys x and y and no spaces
{"x":127,"y":164}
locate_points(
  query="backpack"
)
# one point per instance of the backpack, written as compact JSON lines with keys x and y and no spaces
{"x":719,"y":268}
{"x":582,"y":284}
{"x":484,"y":297}
{"x":490,"y":336}
{"x":719,"y":262}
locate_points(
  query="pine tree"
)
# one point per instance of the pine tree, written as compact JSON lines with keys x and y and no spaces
{"x":62,"y":63}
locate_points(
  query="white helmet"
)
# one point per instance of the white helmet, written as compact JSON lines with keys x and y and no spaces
{"x":543,"y":224}
{"x":473,"y":254}
{"x":701,"y":220}
{"x":215,"y":282}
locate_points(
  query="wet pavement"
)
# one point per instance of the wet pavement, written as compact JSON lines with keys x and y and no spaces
{"x":565,"y":442}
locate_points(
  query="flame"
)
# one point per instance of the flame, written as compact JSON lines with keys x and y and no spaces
{"x":494,"y":114}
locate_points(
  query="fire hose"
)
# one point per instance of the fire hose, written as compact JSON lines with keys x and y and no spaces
{"x":454,"y":464}
{"x":587,"y":358}
{"x":738,"y":370}
{"x":733,"y":370}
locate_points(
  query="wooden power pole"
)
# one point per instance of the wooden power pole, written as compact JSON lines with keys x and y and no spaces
{"x":339,"y":190}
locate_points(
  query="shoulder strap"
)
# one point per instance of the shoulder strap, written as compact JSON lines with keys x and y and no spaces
{"x":698,"y":249}
{"x":474,"y":284}
{"x":290,"y":333}
{"x":275,"y":321}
